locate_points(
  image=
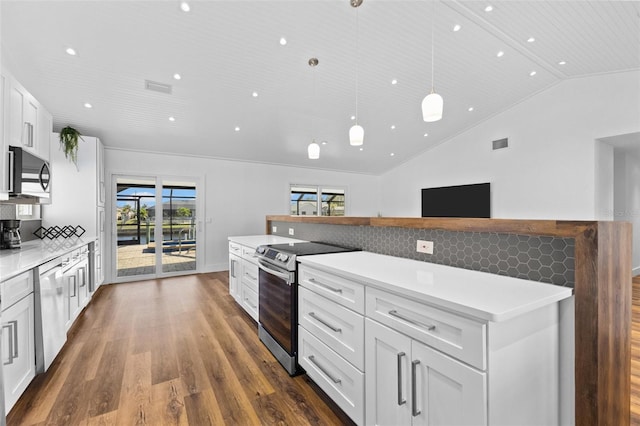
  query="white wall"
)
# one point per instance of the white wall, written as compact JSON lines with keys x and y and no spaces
{"x":626,"y":197}
{"x":239,"y":195}
{"x":604,"y":177}
{"x":548,"y":171}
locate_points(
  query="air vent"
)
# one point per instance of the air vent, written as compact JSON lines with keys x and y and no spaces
{"x":157,"y":87}
{"x":500,"y":143}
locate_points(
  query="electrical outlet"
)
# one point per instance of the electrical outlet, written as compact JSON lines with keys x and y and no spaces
{"x":290,"y":231}
{"x":424,"y":247}
{"x":274,"y":229}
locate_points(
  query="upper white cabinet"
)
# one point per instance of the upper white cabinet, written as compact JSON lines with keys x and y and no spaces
{"x":4,"y":137}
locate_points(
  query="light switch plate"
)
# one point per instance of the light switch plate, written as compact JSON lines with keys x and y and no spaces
{"x":290,"y":231}
{"x":424,"y":247}
{"x":274,"y":229}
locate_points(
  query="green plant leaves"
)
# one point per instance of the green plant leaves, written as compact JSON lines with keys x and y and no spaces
{"x":69,"y":143}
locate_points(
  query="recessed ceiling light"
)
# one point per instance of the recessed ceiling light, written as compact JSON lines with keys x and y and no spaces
{"x":353,"y":117}
{"x":500,"y":54}
{"x":425,"y":135}
{"x":531,"y":39}
{"x":456,"y":27}
{"x":177,"y":76}
{"x":283,"y":41}
{"x":361,"y":149}
{"x":71,"y":51}
{"x":562,"y":63}
{"x":470,"y":109}
{"x":394,"y":81}
{"x":392,"y":154}
{"x":88,"y":105}
{"x":172,"y":118}
{"x":393,"y":127}
{"x":254,"y":94}
{"x":185,"y":6}
{"x":532,"y":73}
{"x":237,"y":129}
{"x":324,"y":142}
{"x":489,"y":8}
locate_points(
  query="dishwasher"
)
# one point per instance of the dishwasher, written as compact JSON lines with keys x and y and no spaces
{"x":50,"y":311}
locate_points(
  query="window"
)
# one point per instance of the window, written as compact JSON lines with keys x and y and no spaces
{"x":304,"y":201}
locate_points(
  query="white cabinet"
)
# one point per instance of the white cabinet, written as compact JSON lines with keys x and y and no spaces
{"x":243,"y":277}
{"x":87,"y":197}
{"x":331,"y":337}
{"x":4,"y":137}
{"x":18,"y":337}
{"x":76,"y":285}
{"x":410,"y":383}
{"x":235,"y":270}
{"x":23,"y":117}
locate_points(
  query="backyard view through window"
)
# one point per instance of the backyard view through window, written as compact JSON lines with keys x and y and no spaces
{"x":304,"y":201}
{"x":137,"y":215}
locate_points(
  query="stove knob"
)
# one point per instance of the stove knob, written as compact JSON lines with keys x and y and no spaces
{"x":284,"y":257}
{"x":260,"y":250}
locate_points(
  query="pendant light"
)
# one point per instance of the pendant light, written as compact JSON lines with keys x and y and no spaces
{"x":356,"y":132}
{"x":313,"y":150}
{"x":432,"y":104}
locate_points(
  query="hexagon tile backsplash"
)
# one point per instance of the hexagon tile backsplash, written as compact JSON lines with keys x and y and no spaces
{"x":536,"y":258}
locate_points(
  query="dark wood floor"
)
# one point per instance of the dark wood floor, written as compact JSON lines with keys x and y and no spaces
{"x":171,"y":351}
{"x":635,"y":352}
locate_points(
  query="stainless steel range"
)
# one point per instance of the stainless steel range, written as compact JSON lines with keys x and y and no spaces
{"x":278,"y":297}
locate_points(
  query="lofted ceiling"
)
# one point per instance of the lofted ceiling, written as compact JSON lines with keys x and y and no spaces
{"x":226,"y":50}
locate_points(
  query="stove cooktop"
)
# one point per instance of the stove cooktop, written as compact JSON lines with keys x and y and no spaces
{"x":285,"y":255}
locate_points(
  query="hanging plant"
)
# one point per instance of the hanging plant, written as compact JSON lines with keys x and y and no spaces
{"x":69,"y":143}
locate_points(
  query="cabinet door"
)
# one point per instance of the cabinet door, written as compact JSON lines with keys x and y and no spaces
{"x":23,"y":118}
{"x":445,"y":391}
{"x":82,"y":274}
{"x":387,"y":363}
{"x":235,"y":269}
{"x":18,"y":357}
{"x":4,"y":137}
{"x":72,"y":291}
{"x":45,"y":130}
{"x":100,"y":163}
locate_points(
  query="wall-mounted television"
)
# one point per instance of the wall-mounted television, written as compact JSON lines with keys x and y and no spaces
{"x":457,"y":201}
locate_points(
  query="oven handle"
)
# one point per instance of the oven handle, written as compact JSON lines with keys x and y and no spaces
{"x":265,"y":267}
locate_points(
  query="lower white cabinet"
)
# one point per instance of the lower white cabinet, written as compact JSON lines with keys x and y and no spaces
{"x":234,"y":275}
{"x":409,"y":383}
{"x":76,"y":287}
{"x":18,"y":349}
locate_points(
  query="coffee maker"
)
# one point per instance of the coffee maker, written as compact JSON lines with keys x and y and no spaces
{"x":10,"y":234}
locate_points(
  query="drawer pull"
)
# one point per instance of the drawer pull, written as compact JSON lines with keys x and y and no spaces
{"x":323,"y":322}
{"x":246,"y":299}
{"x":250,"y":276}
{"x":414,"y":392}
{"x":328,"y":287}
{"x":394,"y":313}
{"x":401,"y":400}
{"x":324,"y":371}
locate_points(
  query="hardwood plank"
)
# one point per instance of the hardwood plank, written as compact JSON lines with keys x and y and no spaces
{"x":202,"y":409}
{"x":164,"y":364}
{"x":168,"y":404}
{"x":135,"y":396}
{"x":105,"y":391}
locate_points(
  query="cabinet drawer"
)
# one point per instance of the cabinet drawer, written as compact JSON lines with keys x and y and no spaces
{"x":340,"y":380}
{"x":338,"y":327}
{"x":249,"y":300}
{"x":235,"y":248}
{"x":341,"y":290}
{"x":460,"y":337}
{"x":249,"y":254}
{"x":16,"y":288}
{"x":250,"y":274}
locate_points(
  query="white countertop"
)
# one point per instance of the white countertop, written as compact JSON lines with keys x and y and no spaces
{"x":254,"y":241}
{"x":478,"y":294}
{"x":35,"y":253}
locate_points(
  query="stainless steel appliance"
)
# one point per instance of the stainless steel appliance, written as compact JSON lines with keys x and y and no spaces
{"x":29,"y":176}
{"x":10,"y":234}
{"x":278,"y":297}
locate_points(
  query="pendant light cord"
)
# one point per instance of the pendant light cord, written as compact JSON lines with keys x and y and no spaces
{"x":357,"y":62}
{"x":433,"y":14}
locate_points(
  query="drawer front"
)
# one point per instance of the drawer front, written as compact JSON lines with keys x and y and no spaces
{"x":347,"y":293}
{"x":249,"y":300}
{"x":16,"y":288}
{"x":250,"y":274}
{"x":340,"y":380}
{"x":235,"y":248}
{"x":249,"y":254}
{"x":338,"y":327}
{"x":460,"y":337}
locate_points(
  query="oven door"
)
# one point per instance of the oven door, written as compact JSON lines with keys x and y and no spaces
{"x":277,"y":300}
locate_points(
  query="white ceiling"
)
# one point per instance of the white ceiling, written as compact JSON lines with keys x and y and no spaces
{"x":225,"y":50}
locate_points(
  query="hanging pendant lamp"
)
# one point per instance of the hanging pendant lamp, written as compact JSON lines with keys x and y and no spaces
{"x":432,"y":104}
{"x":313,"y":150}
{"x":356,"y":132}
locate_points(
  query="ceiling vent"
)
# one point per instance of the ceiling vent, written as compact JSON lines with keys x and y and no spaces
{"x":157,"y":87}
{"x":500,"y":143}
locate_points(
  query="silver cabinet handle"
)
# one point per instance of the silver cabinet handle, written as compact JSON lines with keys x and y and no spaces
{"x":75,"y":292}
{"x":9,"y":327}
{"x":323,"y":322}
{"x":394,"y":313}
{"x":233,"y":268}
{"x":414,"y":392}
{"x":401,"y":400}
{"x":328,"y":287}
{"x":11,"y":170}
{"x":246,"y":299}
{"x":15,"y":338}
{"x":324,"y":371}
{"x":83,"y":282}
{"x":250,"y":276}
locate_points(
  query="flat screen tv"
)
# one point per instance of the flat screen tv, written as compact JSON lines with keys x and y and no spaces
{"x":457,"y":201}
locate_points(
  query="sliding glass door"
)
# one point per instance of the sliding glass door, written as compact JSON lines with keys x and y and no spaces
{"x":156,"y":227}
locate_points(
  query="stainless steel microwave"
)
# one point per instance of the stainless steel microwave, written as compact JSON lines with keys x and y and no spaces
{"x":29,"y":176}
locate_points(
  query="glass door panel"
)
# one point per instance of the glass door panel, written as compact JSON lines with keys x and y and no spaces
{"x":178,"y":226}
